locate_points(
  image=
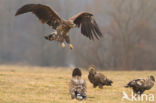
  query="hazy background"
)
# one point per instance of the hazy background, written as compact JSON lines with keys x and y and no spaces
{"x":128,"y":26}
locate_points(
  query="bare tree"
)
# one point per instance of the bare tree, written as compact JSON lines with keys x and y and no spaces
{"x":130,"y":26}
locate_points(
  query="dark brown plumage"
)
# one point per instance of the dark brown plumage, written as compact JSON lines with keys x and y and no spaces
{"x":140,"y":85}
{"x":98,"y":79}
{"x":77,"y":86}
{"x":85,"y":20}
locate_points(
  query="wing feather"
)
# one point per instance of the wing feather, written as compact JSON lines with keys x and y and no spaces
{"x":44,"y":13}
{"x":89,"y":27}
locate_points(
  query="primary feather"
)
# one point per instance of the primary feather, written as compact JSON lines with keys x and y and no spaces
{"x":44,"y":13}
{"x":89,"y":27}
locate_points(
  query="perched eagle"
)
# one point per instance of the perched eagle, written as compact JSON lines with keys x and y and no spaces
{"x":77,"y":86}
{"x":140,"y":85}
{"x":98,"y":79}
{"x":83,"y":20}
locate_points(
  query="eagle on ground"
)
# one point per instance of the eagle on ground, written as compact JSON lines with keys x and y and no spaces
{"x":98,"y":79}
{"x":140,"y":85}
{"x":77,"y":85}
{"x":83,"y":20}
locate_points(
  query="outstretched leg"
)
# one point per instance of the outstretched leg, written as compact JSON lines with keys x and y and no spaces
{"x":52,"y":36}
{"x":55,"y":36}
{"x":63,"y":45}
{"x":68,"y":41}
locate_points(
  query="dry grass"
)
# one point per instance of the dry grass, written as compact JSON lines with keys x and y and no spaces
{"x":45,"y":85}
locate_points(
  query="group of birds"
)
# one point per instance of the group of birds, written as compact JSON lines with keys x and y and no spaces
{"x":90,"y":29}
{"x":77,"y":86}
{"x":78,"y":90}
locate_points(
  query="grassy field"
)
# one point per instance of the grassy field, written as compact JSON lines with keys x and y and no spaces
{"x":23,"y":84}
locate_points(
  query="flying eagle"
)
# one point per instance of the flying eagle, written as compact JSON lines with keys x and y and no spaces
{"x":98,"y":79}
{"x":83,"y":20}
{"x":140,"y":85}
{"x":77,"y":86}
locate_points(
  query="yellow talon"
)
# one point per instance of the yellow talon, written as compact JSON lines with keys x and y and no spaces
{"x":63,"y":45}
{"x":70,"y":46}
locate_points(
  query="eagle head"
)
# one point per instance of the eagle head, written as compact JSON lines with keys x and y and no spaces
{"x":70,"y":23}
{"x":92,"y":69}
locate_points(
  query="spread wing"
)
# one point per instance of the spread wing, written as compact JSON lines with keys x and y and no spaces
{"x":44,"y":13}
{"x":89,"y":27}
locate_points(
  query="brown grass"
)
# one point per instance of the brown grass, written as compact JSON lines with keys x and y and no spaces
{"x":24,"y":84}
